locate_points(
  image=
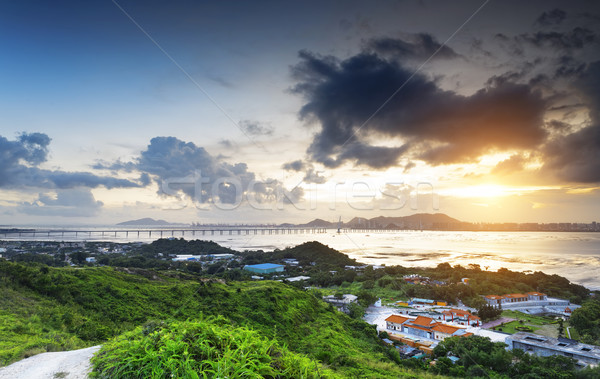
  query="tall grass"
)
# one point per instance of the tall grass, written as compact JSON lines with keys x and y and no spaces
{"x":208,"y":348}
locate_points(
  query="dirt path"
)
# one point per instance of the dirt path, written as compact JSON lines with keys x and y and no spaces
{"x":73,"y":364}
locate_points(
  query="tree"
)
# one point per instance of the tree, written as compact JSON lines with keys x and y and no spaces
{"x":561,"y":327}
{"x":356,"y":311}
{"x":475,"y":302}
{"x":586,"y":320}
{"x":488,"y":312}
{"x":78,"y":257}
{"x":366,"y":298}
{"x":368,"y":284}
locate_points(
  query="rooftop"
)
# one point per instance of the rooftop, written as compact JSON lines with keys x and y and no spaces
{"x":445,"y":328}
{"x":558,"y":344}
{"x":460,"y":312}
{"x":423,"y":321}
{"x":515,"y":295}
{"x":397,"y":319}
{"x":418,"y":300}
{"x":265,"y":266}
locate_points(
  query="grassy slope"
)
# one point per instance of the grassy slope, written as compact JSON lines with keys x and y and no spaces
{"x":87,"y":306}
{"x":207,"y":346}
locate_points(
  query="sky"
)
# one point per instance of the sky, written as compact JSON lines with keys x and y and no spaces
{"x":270,"y":112}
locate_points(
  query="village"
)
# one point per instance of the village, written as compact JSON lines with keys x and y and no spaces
{"x":417,"y":326}
{"x":531,"y":321}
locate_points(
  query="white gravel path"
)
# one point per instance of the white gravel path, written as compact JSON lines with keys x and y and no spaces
{"x":73,"y":364}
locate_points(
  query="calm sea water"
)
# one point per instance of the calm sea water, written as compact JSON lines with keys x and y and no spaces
{"x":573,"y":255}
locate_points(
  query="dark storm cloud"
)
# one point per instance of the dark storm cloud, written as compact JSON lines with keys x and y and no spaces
{"x":297,"y":165}
{"x":434,"y":125}
{"x":568,"y":67}
{"x":577,"y":38}
{"x":255,"y":128}
{"x":372,"y":156}
{"x":312,"y":176}
{"x":558,"y":125}
{"x":75,"y":202}
{"x":19,"y":167}
{"x":182,"y":167}
{"x":576,"y":156}
{"x":421,"y":46}
{"x":553,"y":17}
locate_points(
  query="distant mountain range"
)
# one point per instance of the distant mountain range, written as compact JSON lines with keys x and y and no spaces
{"x":419,"y":220}
{"x":147,"y":222}
{"x":416,"y":221}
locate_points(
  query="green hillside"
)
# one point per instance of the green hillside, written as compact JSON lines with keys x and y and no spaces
{"x":206,"y":347}
{"x":51,"y":309}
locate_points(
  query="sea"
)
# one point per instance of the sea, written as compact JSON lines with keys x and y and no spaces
{"x":575,"y":256}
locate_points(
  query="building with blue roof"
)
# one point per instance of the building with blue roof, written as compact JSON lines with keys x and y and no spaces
{"x":264,"y":268}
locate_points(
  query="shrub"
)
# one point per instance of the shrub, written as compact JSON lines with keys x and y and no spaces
{"x":206,"y":348}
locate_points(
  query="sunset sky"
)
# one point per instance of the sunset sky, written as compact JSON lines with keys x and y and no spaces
{"x":270,"y":111}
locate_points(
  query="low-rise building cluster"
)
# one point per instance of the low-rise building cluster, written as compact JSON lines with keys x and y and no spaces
{"x":532,"y":302}
{"x":424,"y":327}
{"x":545,"y":346}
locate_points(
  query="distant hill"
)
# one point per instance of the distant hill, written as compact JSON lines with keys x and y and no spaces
{"x":146,"y":222}
{"x":319,"y":223}
{"x":416,"y":220}
{"x":424,"y":220}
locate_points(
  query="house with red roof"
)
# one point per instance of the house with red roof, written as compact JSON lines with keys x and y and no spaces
{"x":514,"y":298}
{"x":461,"y":317}
{"x":424,"y":327}
{"x":394,"y":322}
{"x":494,"y":300}
{"x":536,"y":296}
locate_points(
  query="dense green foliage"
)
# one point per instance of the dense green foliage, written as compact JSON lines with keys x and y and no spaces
{"x":505,"y":281}
{"x":91,"y":305}
{"x":388,"y":284}
{"x":586,"y":320}
{"x":488,"y":312}
{"x":48,"y":309}
{"x":306,"y":254}
{"x":200,"y":349}
{"x":32,"y":324}
{"x":480,"y":357}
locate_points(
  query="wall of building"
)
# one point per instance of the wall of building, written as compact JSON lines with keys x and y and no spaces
{"x":417,"y":332}
{"x":545,"y":351}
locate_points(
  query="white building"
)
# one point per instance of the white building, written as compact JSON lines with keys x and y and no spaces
{"x":547,"y":346}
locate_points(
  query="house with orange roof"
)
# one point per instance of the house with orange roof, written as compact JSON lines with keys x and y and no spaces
{"x":515,"y":298}
{"x":461,"y":317}
{"x":442,"y":331}
{"x":394,"y":322}
{"x":531,"y":302}
{"x":536,"y":296}
{"x":494,"y":300}
{"x":423,"y":327}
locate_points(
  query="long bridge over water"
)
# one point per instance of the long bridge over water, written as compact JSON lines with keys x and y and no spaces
{"x":168,"y":232}
{"x":150,"y":233}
